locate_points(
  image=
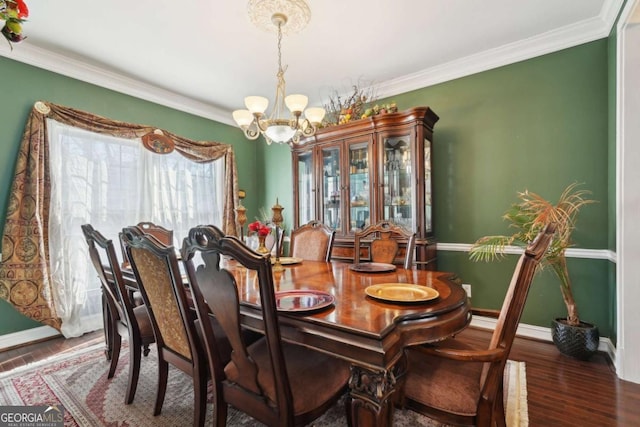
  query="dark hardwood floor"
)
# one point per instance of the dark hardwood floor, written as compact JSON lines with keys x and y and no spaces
{"x":561,"y":391}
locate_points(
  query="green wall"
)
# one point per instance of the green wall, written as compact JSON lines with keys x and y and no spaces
{"x":24,"y":85}
{"x":539,"y":124}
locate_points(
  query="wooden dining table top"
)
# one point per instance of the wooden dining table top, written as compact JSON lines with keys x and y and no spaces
{"x":357,"y":326}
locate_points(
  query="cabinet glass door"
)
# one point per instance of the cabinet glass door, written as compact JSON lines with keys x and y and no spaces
{"x":397,"y":168}
{"x":306,"y":188}
{"x":359,"y":188}
{"x":428,"y":203}
{"x":331,"y":188}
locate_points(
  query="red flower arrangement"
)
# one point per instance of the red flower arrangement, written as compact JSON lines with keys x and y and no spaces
{"x":259,"y":228}
{"x":13,"y":13}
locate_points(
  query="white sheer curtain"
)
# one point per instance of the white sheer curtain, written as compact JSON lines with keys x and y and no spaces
{"x":110,"y":183}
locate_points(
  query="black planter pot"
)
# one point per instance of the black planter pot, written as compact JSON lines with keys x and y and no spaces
{"x":580,"y":341}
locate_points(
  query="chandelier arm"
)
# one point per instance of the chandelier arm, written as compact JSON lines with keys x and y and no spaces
{"x":261,"y":124}
{"x":308,"y":128}
{"x":294,"y":123}
{"x":251,"y":133}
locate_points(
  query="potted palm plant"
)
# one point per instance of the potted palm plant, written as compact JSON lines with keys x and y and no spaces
{"x":571,"y":335}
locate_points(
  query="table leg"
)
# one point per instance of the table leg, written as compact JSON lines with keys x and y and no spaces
{"x":372,"y":393}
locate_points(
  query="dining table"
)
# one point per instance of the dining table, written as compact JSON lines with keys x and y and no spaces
{"x":362,"y":315}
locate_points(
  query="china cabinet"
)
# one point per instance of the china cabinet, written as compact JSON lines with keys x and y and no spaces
{"x":361,"y":172}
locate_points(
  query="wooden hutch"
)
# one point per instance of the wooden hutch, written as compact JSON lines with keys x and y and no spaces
{"x":361,"y":172}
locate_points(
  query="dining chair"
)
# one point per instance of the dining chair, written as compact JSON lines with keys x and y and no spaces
{"x":312,"y":241}
{"x":123,"y":319}
{"x":458,"y":383}
{"x":158,"y":275}
{"x":164,"y":235}
{"x":384,"y":247}
{"x":276,"y":382}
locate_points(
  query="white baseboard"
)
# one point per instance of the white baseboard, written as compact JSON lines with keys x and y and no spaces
{"x":541,"y":333}
{"x":26,"y":336}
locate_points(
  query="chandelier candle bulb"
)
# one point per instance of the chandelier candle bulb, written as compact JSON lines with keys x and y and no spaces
{"x":256,"y":104}
{"x":315,"y":114}
{"x":243,"y":117}
{"x":296,"y":103}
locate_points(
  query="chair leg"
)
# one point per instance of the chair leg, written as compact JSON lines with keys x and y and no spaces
{"x":163,"y":372}
{"x":219,"y":406}
{"x":220,"y":414}
{"x":498,"y":409}
{"x":200,"y":398}
{"x":116,"y":342}
{"x":134,"y":372}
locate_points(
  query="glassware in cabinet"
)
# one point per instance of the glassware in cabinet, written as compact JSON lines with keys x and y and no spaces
{"x":397,"y":157}
{"x":359,"y":186}
{"x":305,"y":187}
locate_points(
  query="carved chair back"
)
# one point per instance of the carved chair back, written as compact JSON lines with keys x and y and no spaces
{"x":312,"y":241}
{"x":460,"y":384}
{"x":164,"y":235}
{"x":385,"y":246}
{"x":513,"y":306}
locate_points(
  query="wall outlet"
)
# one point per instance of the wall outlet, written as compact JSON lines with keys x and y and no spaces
{"x":467,"y":289}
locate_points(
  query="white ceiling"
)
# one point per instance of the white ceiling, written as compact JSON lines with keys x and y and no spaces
{"x":204,"y":56}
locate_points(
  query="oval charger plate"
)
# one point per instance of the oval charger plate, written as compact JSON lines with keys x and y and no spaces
{"x":298,"y":301}
{"x":401,"y":292}
{"x":372,"y":267}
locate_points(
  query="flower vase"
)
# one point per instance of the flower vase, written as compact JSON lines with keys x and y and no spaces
{"x":262,"y":249}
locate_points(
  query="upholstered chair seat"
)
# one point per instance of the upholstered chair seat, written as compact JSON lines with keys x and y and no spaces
{"x":301,"y":363}
{"x":431,"y":387}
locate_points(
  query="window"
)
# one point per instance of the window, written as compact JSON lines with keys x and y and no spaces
{"x":112,"y":182}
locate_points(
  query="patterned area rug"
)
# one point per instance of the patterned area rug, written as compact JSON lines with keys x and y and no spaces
{"x":79,"y":382}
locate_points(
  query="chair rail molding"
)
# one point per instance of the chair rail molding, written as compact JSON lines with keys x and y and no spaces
{"x":516,"y":250}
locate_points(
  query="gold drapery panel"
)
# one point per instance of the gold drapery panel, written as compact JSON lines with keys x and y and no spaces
{"x":25,"y":280}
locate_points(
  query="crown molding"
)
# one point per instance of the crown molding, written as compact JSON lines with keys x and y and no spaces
{"x":80,"y":70}
{"x":552,"y":41}
{"x":569,"y":36}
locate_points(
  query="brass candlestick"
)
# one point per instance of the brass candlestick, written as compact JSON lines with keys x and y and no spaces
{"x":241,"y":214}
{"x":277,"y":220}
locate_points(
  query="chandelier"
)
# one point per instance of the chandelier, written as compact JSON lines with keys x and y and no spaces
{"x":286,"y":16}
